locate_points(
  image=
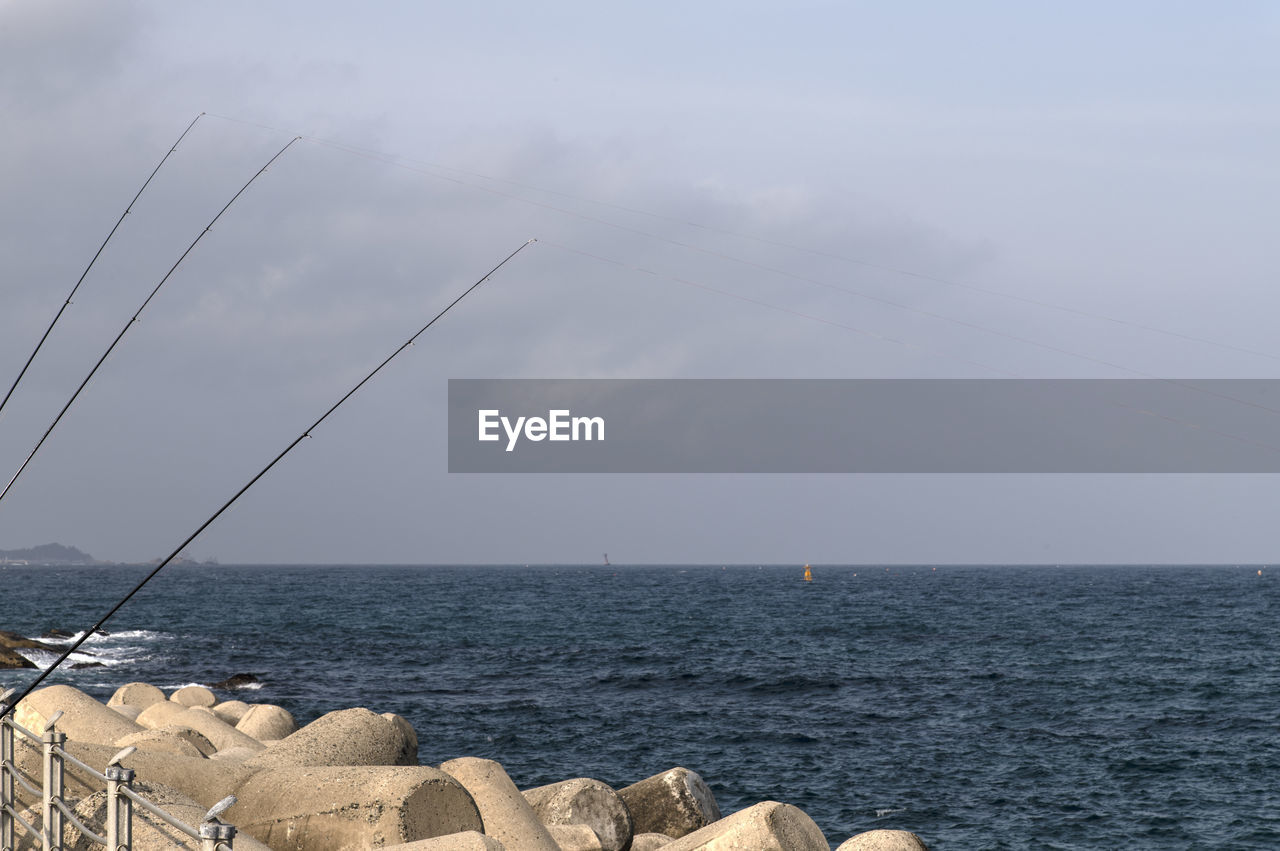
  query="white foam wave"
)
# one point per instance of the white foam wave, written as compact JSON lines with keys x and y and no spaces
{"x":42,"y":659}
{"x":130,"y":635}
{"x":124,"y":635}
{"x":116,"y":648}
{"x":174,"y":687}
{"x":890,"y":811}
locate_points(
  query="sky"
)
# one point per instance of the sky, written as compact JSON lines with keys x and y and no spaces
{"x":719,"y":190}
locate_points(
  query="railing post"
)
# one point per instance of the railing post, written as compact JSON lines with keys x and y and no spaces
{"x":7,"y":758}
{"x":51,"y":826}
{"x":119,"y":809}
{"x":216,"y":836}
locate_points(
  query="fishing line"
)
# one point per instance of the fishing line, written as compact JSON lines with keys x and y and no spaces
{"x":397,"y":162}
{"x":722,"y":256}
{"x":135,"y":318}
{"x":7,"y":707}
{"x":869,"y":264}
{"x":401,"y":162}
{"x":388,"y":160}
{"x":97,"y":254}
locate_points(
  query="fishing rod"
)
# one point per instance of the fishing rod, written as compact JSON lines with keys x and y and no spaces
{"x":135,"y":316}
{"x":7,"y":705}
{"x":97,"y":254}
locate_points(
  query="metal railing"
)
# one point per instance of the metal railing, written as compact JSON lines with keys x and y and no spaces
{"x":55,"y":813}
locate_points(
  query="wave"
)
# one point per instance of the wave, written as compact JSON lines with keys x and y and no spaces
{"x":115,"y":648}
{"x":107,"y":637}
{"x":131,"y":635}
{"x":172,"y":687}
{"x":42,"y":659}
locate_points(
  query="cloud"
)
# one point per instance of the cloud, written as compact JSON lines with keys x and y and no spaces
{"x":697,"y":217}
{"x":59,"y":55}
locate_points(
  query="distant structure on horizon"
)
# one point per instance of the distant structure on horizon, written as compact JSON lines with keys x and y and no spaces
{"x":46,"y":554}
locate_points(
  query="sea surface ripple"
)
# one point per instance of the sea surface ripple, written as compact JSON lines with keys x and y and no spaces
{"x":981,"y":707}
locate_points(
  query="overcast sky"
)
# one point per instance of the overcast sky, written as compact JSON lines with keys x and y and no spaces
{"x":746,"y":190}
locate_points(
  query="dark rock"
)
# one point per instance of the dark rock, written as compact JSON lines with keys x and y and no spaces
{"x":13,"y":641}
{"x":78,"y":665}
{"x":234,"y":682}
{"x":10,"y":659}
{"x":58,"y":633}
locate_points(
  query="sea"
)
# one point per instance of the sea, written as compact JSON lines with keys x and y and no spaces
{"x":981,"y":707}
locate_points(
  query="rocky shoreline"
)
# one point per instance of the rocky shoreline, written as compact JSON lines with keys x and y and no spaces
{"x":11,"y":642}
{"x":351,"y":780}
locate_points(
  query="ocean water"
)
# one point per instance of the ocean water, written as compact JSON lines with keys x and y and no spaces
{"x":981,"y":707}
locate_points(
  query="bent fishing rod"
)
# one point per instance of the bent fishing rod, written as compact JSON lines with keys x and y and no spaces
{"x":135,"y":318}
{"x":8,"y":704}
{"x":96,"y":255}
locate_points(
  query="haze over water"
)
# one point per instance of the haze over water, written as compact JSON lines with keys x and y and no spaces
{"x":981,"y":707}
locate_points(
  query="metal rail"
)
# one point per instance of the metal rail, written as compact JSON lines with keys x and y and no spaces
{"x":54,"y":810}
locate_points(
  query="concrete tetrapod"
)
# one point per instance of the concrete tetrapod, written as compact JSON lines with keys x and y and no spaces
{"x":221,"y":734}
{"x":409,"y":756}
{"x":130,"y":712}
{"x":266,"y":722}
{"x":140,"y":695}
{"x":149,"y":832}
{"x":650,"y":841}
{"x":84,"y":719}
{"x":165,"y":741}
{"x":336,"y":808}
{"x":675,"y":802}
{"x":346,"y":737}
{"x":884,"y":840}
{"x":194,"y":696}
{"x":204,"y":781}
{"x":469,"y":841}
{"x":584,"y":801}
{"x":240,"y":754}
{"x":160,"y":714}
{"x":508,"y":817}
{"x":767,"y":826}
{"x":574,"y":837}
{"x":200,"y":740}
{"x":231,"y":711}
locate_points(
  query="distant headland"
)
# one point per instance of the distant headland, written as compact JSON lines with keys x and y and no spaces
{"x":57,"y":555}
{"x":52,"y":554}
